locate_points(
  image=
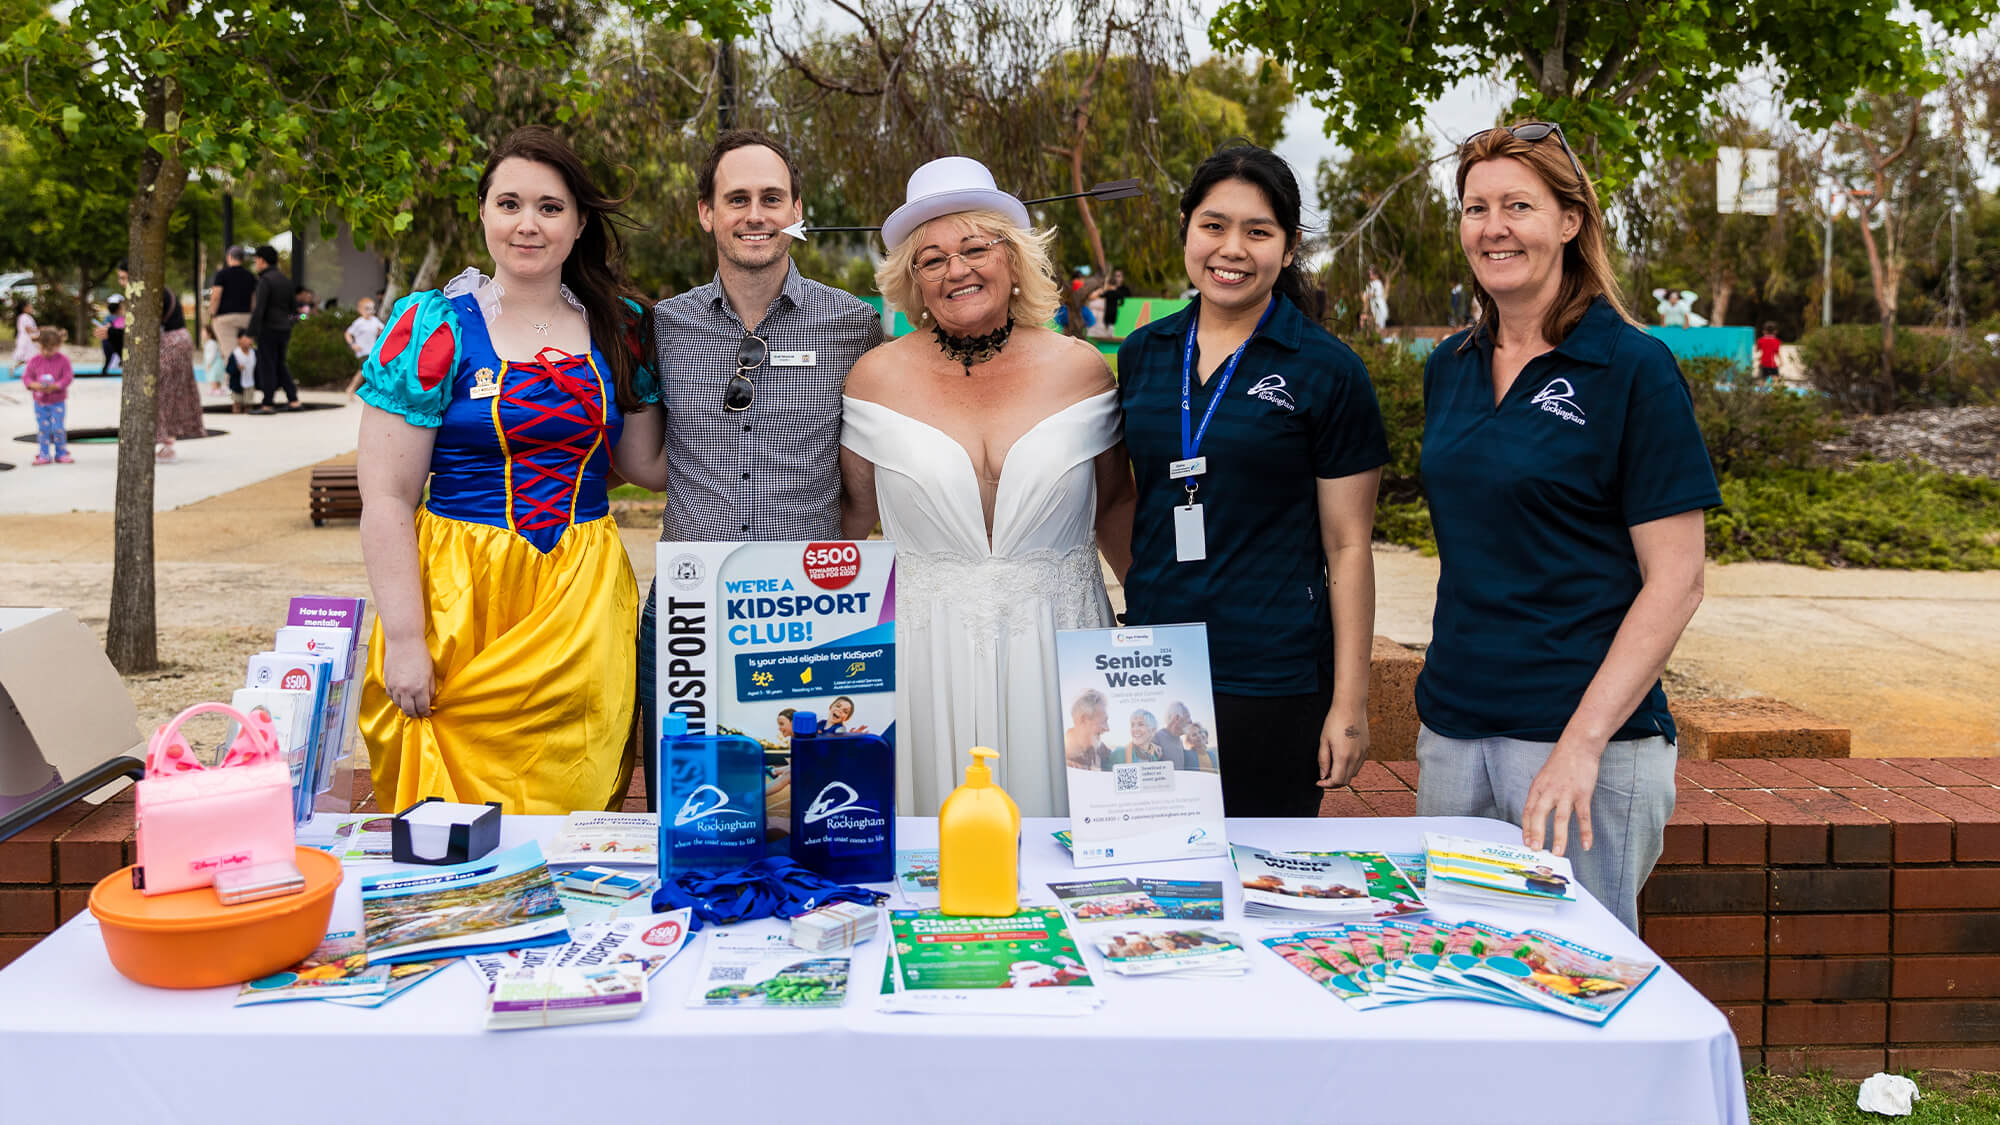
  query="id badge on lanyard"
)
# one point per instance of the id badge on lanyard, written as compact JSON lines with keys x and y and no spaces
{"x":1190,"y":532}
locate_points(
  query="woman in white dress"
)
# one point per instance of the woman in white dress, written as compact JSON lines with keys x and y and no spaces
{"x":990,"y":449}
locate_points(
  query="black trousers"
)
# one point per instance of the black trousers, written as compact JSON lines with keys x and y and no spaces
{"x":1269,"y":752}
{"x":272,"y":373}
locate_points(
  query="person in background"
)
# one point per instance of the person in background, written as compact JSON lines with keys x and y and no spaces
{"x":47,"y":375}
{"x":1566,"y":478}
{"x":1258,"y":520}
{"x":1378,"y":299}
{"x":1114,"y":295}
{"x":177,"y":397}
{"x":1673,"y":311}
{"x":241,"y":367}
{"x":111,"y":331}
{"x":213,"y":357}
{"x":273,"y":311}
{"x":361,"y":337}
{"x":1458,"y":317}
{"x":306,"y":302}
{"x":1768,"y":346}
{"x":26,"y":333}
{"x":231,"y":293}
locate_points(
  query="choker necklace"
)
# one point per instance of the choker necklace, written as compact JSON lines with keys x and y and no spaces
{"x":968,"y":350}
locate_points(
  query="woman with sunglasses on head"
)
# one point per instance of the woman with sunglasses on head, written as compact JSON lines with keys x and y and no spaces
{"x":989,"y":448}
{"x":1566,"y":480}
{"x":502,"y":662}
{"x":1258,"y":447}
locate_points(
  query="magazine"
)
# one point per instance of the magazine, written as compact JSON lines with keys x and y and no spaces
{"x":1282,"y":885}
{"x":760,"y":969}
{"x":607,"y":838}
{"x":1160,"y":951}
{"x":1024,"y":965}
{"x":505,"y":900}
{"x":1192,"y":899}
{"x":1142,"y":752}
{"x":1566,"y":978}
{"x":1489,"y":873}
{"x":337,"y":967}
{"x":1105,"y":900}
{"x":1395,"y":894}
{"x":402,"y":978}
{"x":647,"y":943}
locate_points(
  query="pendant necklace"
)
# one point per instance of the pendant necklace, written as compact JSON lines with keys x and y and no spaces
{"x":968,"y":350}
{"x":542,"y":327}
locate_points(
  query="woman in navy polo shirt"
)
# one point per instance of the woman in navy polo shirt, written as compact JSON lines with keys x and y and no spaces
{"x":1566,"y":480}
{"x":1257,"y":446}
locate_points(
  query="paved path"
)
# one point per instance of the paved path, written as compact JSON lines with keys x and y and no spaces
{"x":1909,"y":660}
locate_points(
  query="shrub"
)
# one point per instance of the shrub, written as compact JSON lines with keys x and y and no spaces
{"x":319,"y":355}
{"x":1398,"y":375}
{"x":1881,"y":515}
{"x":55,"y":307}
{"x":1752,"y":430}
{"x":1845,"y":361}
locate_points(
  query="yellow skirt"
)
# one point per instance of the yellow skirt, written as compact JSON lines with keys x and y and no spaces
{"x":533,"y":657}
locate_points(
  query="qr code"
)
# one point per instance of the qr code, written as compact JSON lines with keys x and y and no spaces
{"x":727,"y":972}
{"x":1127,"y":778}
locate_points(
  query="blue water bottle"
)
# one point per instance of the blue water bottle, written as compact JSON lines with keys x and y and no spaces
{"x":843,"y":803}
{"x":713,"y":816}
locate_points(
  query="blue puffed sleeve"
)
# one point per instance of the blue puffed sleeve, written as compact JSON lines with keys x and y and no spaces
{"x":639,"y":343}
{"x":410,"y":372}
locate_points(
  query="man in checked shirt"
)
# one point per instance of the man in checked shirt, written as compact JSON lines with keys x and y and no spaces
{"x":751,"y":369}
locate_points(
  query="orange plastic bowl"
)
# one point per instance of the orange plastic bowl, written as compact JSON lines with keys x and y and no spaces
{"x":188,"y":939}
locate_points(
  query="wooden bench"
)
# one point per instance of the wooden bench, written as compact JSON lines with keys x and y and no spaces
{"x":336,"y":494}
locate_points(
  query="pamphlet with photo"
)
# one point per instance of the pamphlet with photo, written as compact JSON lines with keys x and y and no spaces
{"x":1143,"y":755}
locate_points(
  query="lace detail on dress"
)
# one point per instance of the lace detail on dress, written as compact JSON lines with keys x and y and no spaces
{"x":984,"y":593}
{"x":488,"y":292}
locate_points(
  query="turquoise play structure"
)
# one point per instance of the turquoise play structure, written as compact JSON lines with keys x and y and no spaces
{"x":1721,"y":341}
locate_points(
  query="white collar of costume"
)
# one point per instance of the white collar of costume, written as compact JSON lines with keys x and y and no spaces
{"x":488,"y":292}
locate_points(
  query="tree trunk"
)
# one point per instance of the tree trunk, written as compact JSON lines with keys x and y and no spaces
{"x":426,"y":276}
{"x":1725,"y":288}
{"x":132,"y":641}
{"x":82,"y":336}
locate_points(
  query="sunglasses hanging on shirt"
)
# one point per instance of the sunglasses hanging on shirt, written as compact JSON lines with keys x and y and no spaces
{"x":741,"y":392}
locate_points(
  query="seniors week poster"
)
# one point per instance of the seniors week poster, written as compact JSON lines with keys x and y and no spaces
{"x":749,"y":634}
{"x":1144,"y":758}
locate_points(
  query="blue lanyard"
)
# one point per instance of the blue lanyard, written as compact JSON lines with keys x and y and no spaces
{"x":1191,"y":444}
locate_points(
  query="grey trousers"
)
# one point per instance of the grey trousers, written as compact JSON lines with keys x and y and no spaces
{"x":1628,"y":813}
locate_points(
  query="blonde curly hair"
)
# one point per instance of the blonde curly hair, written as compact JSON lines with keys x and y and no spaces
{"x":1028,"y":250}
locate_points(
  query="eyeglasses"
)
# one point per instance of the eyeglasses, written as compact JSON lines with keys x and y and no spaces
{"x":1532,"y":132}
{"x":934,"y":265}
{"x":750,"y":354}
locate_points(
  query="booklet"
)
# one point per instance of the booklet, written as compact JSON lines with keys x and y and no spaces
{"x":402,"y":978}
{"x":760,"y":969}
{"x":352,"y":838}
{"x":1394,"y":893}
{"x":1191,"y":951}
{"x":1489,"y":873}
{"x":505,"y":900}
{"x":1283,"y":885}
{"x":1568,"y":979}
{"x":1141,"y":748}
{"x":645,"y":943}
{"x":1192,"y":899}
{"x":607,"y":838}
{"x":1024,"y":965}
{"x":1105,"y":900}
{"x":337,"y":967}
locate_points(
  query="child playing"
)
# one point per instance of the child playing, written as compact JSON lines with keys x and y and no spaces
{"x":361,"y":336}
{"x":48,"y":376}
{"x":242,"y":368}
{"x":1767,"y":353}
{"x":112,"y":332}
{"x":25,"y":334}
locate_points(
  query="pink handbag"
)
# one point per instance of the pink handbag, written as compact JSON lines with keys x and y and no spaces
{"x":194,"y":822}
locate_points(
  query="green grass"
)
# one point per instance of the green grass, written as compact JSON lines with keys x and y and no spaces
{"x":1946,"y":1098}
{"x":634,"y":492}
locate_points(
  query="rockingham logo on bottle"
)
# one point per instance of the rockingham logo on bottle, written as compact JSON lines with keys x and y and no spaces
{"x":838,"y":798}
{"x":694,"y":811}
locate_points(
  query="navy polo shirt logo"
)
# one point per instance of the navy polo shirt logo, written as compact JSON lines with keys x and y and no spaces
{"x":1271,"y":389}
{"x":1559,"y":399}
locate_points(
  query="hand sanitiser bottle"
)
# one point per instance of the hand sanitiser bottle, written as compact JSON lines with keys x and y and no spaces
{"x":843,"y":803}
{"x":979,"y":846}
{"x":712,"y":811}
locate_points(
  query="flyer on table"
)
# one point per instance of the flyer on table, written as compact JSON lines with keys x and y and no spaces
{"x":751,"y":633}
{"x":1144,"y":757}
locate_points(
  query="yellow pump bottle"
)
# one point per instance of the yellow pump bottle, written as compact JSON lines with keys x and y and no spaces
{"x":979,"y":846}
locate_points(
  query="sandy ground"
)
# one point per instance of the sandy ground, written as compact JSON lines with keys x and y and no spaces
{"x":1909,"y":660}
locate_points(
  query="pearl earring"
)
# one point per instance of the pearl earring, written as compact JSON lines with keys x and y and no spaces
{"x":927,"y":314}
{"x":1017,"y":291}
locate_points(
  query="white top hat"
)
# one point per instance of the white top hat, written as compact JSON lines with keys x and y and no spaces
{"x":946,"y":186}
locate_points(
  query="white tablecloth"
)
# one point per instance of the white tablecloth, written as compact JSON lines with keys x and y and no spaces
{"x":79,"y":1042}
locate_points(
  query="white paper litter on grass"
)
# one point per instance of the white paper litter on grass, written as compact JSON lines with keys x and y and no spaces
{"x":1889,"y":1094}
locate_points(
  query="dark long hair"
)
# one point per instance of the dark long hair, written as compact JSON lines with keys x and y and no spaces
{"x":593,"y":269}
{"x":1268,"y":173}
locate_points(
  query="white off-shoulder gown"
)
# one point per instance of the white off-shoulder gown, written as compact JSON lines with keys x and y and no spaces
{"x":976,"y":625}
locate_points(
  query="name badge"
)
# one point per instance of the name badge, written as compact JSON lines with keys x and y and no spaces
{"x":1190,"y":539}
{"x":1192,"y":467}
{"x":794,"y":359}
{"x":483,"y":385}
